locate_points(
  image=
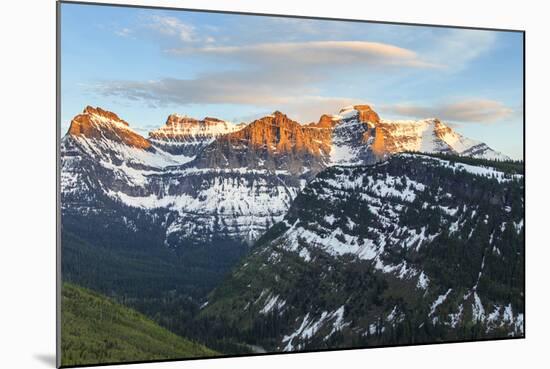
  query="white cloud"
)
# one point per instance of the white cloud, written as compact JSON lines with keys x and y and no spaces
{"x":292,"y":76}
{"x":277,"y":76}
{"x":270,"y":92}
{"x":463,"y":111}
{"x":315,"y":53}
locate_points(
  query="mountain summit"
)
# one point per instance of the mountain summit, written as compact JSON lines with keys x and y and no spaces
{"x":96,"y":123}
{"x":273,"y":142}
{"x":364,"y":112}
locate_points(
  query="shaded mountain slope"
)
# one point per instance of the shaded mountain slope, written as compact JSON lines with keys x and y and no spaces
{"x":414,"y":249}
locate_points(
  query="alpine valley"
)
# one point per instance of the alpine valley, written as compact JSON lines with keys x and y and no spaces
{"x":277,"y":235}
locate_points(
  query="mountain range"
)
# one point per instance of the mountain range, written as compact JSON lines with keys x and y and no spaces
{"x":210,"y":177}
{"x":349,"y":231}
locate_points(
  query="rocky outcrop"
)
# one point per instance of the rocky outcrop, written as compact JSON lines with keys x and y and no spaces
{"x":325,"y":121}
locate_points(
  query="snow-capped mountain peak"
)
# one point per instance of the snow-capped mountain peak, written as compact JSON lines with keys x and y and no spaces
{"x":359,"y":113}
{"x":361,"y":137}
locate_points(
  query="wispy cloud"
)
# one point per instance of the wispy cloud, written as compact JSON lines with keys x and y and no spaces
{"x":123,"y":32}
{"x":464,"y":111}
{"x":315,"y":53}
{"x":181,"y":32}
{"x":456,"y":48}
{"x":293,"y":75}
{"x":282,"y":76}
{"x":208,"y":89}
{"x":172,"y":26}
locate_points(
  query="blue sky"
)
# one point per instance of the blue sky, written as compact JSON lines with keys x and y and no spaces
{"x":146,"y":64}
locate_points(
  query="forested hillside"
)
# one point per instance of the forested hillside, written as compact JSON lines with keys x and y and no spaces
{"x":95,"y":329}
{"x":414,"y":249}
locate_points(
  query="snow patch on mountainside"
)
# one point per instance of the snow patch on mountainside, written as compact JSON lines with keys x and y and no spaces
{"x":273,"y":302}
{"x":423,"y":281}
{"x":440,"y":299}
{"x":109,"y":152}
{"x":234,"y":203}
{"x":309,"y":327}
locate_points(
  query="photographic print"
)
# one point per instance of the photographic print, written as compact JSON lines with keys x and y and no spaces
{"x":243,"y":184}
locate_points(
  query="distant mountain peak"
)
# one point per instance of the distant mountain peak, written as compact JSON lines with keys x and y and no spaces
{"x":183,"y":128}
{"x":176,"y":119}
{"x":99,"y":124}
{"x":277,"y":117}
{"x":364,"y":112}
{"x":267,"y":131}
{"x":184,"y":135}
{"x":273,"y":142}
{"x":97,"y":111}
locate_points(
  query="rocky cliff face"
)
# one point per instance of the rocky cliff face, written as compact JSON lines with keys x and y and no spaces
{"x":273,"y":143}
